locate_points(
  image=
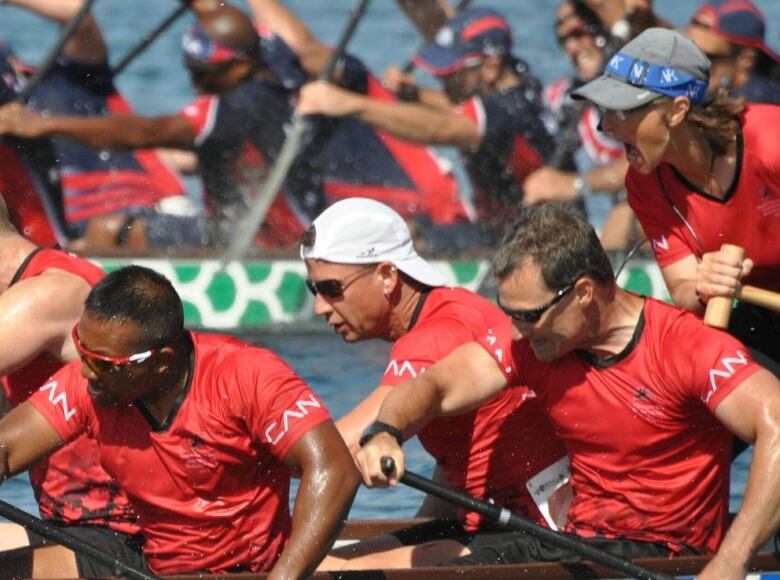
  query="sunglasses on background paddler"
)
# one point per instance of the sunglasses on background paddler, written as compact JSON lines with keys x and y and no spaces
{"x":102,"y":363}
{"x":333,"y":287}
{"x":533,"y":315}
{"x":576,"y":33}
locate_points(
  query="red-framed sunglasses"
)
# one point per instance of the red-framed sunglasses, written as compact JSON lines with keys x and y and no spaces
{"x":104,"y":362}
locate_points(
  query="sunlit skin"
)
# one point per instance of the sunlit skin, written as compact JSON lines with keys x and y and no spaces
{"x":585,"y":55}
{"x":464,"y":83}
{"x":217,"y":79}
{"x":147,"y":381}
{"x":645,"y":133}
{"x":561,"y":328}
{"x":363,"y":311}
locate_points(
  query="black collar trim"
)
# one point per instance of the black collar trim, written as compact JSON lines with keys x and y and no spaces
{"x":23,"y":266}
{"x":734,"y":182}
{"x":605,"y":363}
{"x":418,"y":309}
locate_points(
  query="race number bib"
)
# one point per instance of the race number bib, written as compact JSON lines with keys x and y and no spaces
{"x":551,"y":491}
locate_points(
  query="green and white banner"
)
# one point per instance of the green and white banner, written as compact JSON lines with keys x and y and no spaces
{"x":258,"y":293}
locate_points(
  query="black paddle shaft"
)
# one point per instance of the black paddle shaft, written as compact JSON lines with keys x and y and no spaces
{"x":48,"y":63}
{"x":65,"y":539}
{"x":247,"y":227}
{"x":513,"y":522}
{"x":150,"y":37}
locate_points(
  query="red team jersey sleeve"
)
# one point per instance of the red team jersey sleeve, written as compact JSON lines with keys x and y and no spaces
{"x":432,"y":341}
{"x":64,"y":402}
{"x":474,"y":109}
{"x":202,"y":114}
{"x":277,"y":405}
{"x":721,"y":363}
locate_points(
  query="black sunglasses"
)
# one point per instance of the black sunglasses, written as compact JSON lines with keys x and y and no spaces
{"x":576,"y":33}
{"x":334,"y":288}
{"x":534,"y":314}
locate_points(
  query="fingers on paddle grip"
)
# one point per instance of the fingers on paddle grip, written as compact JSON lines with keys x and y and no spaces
{"x":388,"y":465}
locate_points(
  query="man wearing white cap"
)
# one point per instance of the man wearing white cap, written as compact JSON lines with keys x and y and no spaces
{"x":369,"y":282}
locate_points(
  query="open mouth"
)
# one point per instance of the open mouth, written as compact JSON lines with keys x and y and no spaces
{"x":632,"y":153}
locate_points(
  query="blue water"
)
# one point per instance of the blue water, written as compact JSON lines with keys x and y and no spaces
{"x":156,"y":84}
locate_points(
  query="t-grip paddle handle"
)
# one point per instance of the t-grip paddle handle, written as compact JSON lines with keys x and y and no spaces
{"x":388,"y":465}
{"x":718,"y":310}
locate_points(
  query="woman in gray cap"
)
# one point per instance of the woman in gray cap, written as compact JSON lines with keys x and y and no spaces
{"x":705,"y":170}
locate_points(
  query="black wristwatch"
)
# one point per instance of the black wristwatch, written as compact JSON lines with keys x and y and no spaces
{"x":378,"y":427}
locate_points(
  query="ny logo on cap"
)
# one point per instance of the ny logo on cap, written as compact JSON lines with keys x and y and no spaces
{"x":669,"y":75}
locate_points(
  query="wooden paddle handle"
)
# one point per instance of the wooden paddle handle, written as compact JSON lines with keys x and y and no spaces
{"x":719,"y":307}
{"x":760,"y":297}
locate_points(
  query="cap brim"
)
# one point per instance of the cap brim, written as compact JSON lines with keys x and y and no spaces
{"x":422,"y":271}
{"x":611,"y":93}
{"x":439,"y":60}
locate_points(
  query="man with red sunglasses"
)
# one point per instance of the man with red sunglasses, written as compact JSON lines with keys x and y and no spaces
{"x":42,"y":293}
{"x":369,"y":282}
{"x":202,"y":432}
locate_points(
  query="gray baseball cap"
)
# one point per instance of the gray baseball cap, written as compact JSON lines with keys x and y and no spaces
{"x":658,"y":62}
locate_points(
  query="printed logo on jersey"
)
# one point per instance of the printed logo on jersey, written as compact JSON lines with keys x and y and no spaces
{"x":276,"y":430}
{"x":402,"y":368}
{"x":768,"y":202}
{"x":199,"y":461}
{"x":645,"y":404}
{"x":659,"y":245}
{"x":59,"y":399}
{"x":498,"y":353}
{"x":724,"y":371}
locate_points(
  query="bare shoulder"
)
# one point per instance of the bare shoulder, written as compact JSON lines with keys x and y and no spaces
{"x":52,"y":291}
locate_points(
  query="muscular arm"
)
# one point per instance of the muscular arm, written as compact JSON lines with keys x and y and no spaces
{"x":680,"y":279}
{"x":461,"y":381}
{"x":36,"y":315}
{"x":352,"y":425}
{"x":117,"y":132}
{"x":752,"y":412}
{"x":312,"y":53}
{"x":409,"y":121}
{"x":718,"y":274}
{"x":328,"y":484}
{"x":547,"y":183}
{"x":25,"y":437}
{"x":87,"y":44}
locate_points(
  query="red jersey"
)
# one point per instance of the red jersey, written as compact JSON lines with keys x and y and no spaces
{"x":649,"y":460}
{"x":70,"y":485}
{"x":749,"y":215}
{"x":493,"y":451}
{"x":209,"y":484}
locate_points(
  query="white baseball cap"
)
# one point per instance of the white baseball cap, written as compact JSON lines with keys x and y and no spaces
{"x":364,"y":231}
